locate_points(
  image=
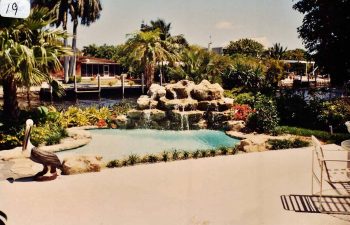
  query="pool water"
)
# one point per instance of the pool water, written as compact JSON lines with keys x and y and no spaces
{"x":116,"y":144}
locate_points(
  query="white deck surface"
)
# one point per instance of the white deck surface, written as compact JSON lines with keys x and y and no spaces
{"x":234,"y":190}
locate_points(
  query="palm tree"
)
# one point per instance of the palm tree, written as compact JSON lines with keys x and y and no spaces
{"x":164,"y":32}
{"x":277,"y":51}
{"x":161,"y":25}
{"x":147,"y":49}
{"x":88,"y":11}
{"x":198,"y":64}
{"x":28,"y":50}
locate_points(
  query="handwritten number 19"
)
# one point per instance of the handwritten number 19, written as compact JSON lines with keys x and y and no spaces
{"x":14,"y":7}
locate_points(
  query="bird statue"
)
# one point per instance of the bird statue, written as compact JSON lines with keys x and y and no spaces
{"x":49,"y":160}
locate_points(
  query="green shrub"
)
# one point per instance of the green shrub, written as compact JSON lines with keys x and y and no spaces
{"x":185,"y":154}
{"x":212,"y":152}
{"x":9,"y":141}
{"x":276,"y":144}
{"x":152,"y":158}
{"x":175,"y":155}
{"x":71,"y":79}
{"x":165,"y":156}
{"x":224,"y":150}
{"x":47,"y":134}
{"x":264,"y":119}
{"x":113,"y":164}
{"x":133,"y":159}
{"x":204,"y":153}
{"x":122,"y":108}
{"x":246,"y":73}
{"x":336,"y":138}
{"x":196,"y":154}
{"x":245,"y":98}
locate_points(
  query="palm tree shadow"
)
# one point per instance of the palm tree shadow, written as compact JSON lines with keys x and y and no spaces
{"x":3,"y":218}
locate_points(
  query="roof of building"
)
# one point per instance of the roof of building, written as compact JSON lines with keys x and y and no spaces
{"x":93,"y":60}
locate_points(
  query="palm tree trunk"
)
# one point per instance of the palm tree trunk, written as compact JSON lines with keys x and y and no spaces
{"x":66,"y":58}
{"x":72,"y":65}
{"x":149,"y":74}
{"x":28,"y":97}
{"x":11,"y":109}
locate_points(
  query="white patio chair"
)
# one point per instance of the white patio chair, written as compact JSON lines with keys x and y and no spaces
{"x":332,"y":167}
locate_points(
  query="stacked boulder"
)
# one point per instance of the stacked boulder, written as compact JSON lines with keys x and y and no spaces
{"x":183,"y":105}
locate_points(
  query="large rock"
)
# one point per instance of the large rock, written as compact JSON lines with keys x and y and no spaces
{"x":191,"y":116}
{"x":214,"y":116}
{"x":225,"y":104}
{"x":122,"y":121}
{"x":135,"y":114}
{"x":181,"y":104}
{"x":205,"y":91}
{"x":81,"y":164}
{"x":144,"y":102}
{"x":235,"y":125}
{"x":202,"y":124}
{"x":156,"y":91}
{"x":180,"y":90}
{"x":208,"y":105}
{"x":157,"y":115}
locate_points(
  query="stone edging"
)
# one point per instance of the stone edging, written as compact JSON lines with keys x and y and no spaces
{"x":254,"y":142}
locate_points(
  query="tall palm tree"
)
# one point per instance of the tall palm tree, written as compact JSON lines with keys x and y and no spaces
{"x":28,"y":50}
{"x":88,"y":11}
{"x":147,"y":49}
{"x":161,"y":25}
{"x":277,"y":51}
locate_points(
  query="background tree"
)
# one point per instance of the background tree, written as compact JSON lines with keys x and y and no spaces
{"x":247,"y":47}
{"x":326,"y":34}
{"x":103,"y":51}
{"x":277,"y":51}
{"x":198,"y":64}
{"x":147,"y":50}
{"x":296,"y":54}
{"x":28,"y":50}
{"x":274,"y":73}
{"x":245,"y":73}
{"x":161,"y":25}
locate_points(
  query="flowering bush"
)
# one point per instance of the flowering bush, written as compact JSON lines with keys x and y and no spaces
{"x":265,"y":118}
{"x":101,"y":123}
{"x":241,"y":112}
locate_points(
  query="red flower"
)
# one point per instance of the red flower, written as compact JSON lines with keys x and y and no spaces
{"x":241,"y":112}
{"x":101,"y":123}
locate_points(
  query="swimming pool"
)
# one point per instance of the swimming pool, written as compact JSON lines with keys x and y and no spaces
{"x":116,"y":144}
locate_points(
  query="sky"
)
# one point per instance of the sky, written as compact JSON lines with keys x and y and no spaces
{"x":266,"y":21}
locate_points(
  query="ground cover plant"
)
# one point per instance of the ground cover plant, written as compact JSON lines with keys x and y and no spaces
{"x":167,"y":156}
{"x":325,"y":136}
{"x":277,"y":144}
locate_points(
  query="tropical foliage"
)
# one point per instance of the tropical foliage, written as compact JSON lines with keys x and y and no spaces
{"x":147,"y":50}
{"x":245,"y":46}
{"x":28,"y":51}
{"x":198,"y":64}
{"x":265,"y":118}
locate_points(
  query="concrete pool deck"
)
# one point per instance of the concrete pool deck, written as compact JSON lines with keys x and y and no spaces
{"x":243,"y":189}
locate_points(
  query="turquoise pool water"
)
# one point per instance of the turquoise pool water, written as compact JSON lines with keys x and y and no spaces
{"x":115,"y":144}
